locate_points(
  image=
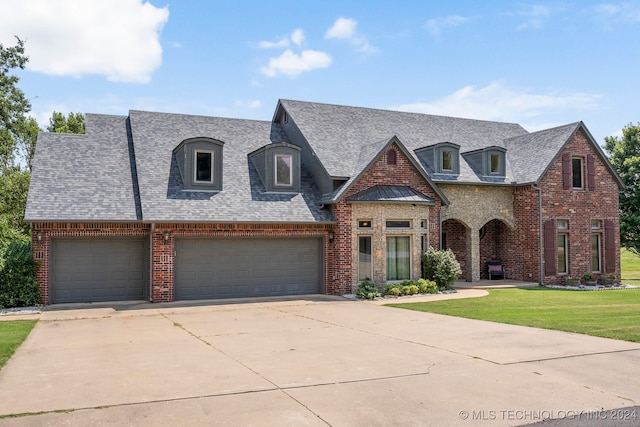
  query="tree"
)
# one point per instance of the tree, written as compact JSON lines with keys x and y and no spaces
{"x":624,"y":154}
{"x":74,"y":123}
{"x":14,"y":106}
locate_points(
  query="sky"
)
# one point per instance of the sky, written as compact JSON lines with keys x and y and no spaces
{"x":539,"y":64}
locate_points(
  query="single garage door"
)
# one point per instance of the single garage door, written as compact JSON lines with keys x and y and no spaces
{"x":94,"y":270}
{"x":237,"y":268}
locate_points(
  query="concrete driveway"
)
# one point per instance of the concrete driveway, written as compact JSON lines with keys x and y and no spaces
{"x":311,"y":361}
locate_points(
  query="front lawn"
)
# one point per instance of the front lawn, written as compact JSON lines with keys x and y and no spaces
{"x":609,"y":313}
{"x":12,"y":334}
{"x":630,"y":263}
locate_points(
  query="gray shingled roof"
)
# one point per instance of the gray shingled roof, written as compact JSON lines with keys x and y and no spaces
{"x":337,"y":133}
{"x":242,"y":199}
{"x":534,"y":152}
{"x":83,"y":177}
{"x":391,"y":194}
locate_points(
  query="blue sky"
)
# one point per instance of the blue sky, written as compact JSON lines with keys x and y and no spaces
{"x":540,"y":64}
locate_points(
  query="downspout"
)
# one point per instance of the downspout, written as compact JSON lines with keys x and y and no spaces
{"x":440,"y":227}
{"x":153,"y":228}
{"x":540,"y":232}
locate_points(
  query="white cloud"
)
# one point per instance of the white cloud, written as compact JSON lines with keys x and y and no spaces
{"x":436,"y":25}
{"x":534,"y":17}
{"x":297,"y":37}
{"x":499,"y":102}
{"x":345,"y":28}
{"x":342,"y":28}
{"x":250,"y":104}
{"x":291,"y":64}
{"x":627,"y":11}
{"x":118,"y":38}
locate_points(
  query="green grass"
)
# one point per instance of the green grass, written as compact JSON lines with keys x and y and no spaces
{"x":12,"y":334}
{"x":610,"y":313}
{"x":630,"y":265}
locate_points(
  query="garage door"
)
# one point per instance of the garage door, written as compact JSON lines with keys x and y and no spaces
{"x":94,"y":270}
{"x":236,"y":268}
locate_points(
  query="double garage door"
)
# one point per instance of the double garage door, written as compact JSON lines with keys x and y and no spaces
{"x":247,"y":267}
{"x":95,"y":270}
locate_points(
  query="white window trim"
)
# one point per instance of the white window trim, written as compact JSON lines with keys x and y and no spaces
{"x":195,"y":167}
{"x":442,"y":153}
{"x":275,"y":170}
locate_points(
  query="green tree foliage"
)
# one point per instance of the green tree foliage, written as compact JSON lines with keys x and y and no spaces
{"x":14,"y":106}
{"x":73,"y":123}
{"x":624,"y":154}
{"x":441,"y":267}
{"x":18,"y":286}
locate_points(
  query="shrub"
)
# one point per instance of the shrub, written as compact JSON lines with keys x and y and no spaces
{"x":410,"y":290}
{"x":367,"y":289}
{"x":393,"y":290}
{"x":427,"y":286}
{"x":18,"y":286}
{"x":441,"y":267}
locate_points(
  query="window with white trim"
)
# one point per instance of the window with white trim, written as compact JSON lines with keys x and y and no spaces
{"x":577,"y":174}
{"x":398,"y":257}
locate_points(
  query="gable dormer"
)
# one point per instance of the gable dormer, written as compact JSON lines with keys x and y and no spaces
{"x":488,"y":162}
{"x":200,"y":163}
{"x":278,"y":165}
{"x":442,"y":158}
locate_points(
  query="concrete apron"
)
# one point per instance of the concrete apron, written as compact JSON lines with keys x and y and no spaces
{"x":305,"y":362}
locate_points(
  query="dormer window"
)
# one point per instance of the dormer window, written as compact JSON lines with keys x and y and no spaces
{"x":203,"y":170}
{"x":493,"y":162}
{"x":200,"y":163}
{"x":442,"y":158}
{"x":283,"y":164}
{"x":447,"y":160}
{"x":278,"y":165}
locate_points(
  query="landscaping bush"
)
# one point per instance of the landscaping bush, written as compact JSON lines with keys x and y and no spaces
{"x":393,"y":290}
{"x":410,"y":290}
{"x":18,"y":286}
{"x":427,"y":286}
{"x":441,"y":267}
{"x":367,"y":289}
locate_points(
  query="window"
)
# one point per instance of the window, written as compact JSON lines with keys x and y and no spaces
{"x":596,"y":224}
{"x":392,"y":157}
{"x":495,"y":164}
{"x":447,"y":160}
{"x":364,"y":258}
{"x":563,"y":253}
{"x":398,"y":258}
{"x":399,"y":224}
{"x":364,"y":223}
{"x":283,"y":174}
{"x":576,"y":172}
{"x":203,"y":171}
{"x":562,"y":224}
{"x":595,"y":252}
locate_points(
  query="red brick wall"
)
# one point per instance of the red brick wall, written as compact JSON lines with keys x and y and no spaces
{"x":379,"y":173}
{"x":162,"y":269}
{"x":579,"y":207}
{"x":456,"y":240}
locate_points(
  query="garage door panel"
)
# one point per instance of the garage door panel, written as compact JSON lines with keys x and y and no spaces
{"x":231,"y":268}
{"x":94,"y":270}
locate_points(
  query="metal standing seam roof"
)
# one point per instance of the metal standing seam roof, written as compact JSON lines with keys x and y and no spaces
{"x":391,"y":194}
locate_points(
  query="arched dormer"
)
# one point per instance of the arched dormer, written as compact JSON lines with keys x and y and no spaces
{"x":278,"y":165}
{"x":442,"y":158}
{"x":200,"y":163}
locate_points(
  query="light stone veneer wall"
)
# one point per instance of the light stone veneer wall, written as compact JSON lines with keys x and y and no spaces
{"x":379,"y":213}
{"x":474,"y":206}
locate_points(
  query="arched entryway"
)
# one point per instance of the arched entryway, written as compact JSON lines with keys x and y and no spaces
{"x":494,"y":239}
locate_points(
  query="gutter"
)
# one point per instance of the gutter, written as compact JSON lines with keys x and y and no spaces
{"x":153,"y":228}
{"x":540,"y":234}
